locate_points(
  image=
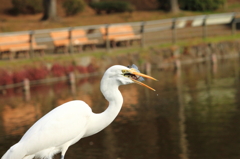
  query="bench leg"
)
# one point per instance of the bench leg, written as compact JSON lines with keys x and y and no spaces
{"x":27,"y":55}
{"x":55,"y":49}
{"x":2,"y":53}
{"x":131,"y":42}
{"x":16,"y":54}
{"x":79,"y":48}
{"x":42,"y":52}
{"x":12,"y":55}
{"x":93,"y":46}
{"x":9,"y":53}
{"x":65,"y":49}
{"x":113,"y":43}
{"x":127,"y":43}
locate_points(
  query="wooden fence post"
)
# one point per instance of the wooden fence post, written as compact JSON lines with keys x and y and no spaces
{"x":31,"y":40}
{"x":70,"y":40}
{"x":233,"y":25}
{"x":142,"y":31}
{"x":177,"y":64}
{"x":148,"y":68}
{"x":107,"y":38}
{"x":204,"y":34}
{"x":26,"y":89}
{"x":174,"y":30}
{"x":72,"y":82}
{"x":72,"y":79}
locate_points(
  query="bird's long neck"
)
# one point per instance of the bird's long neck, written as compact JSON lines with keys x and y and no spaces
{"x":111,"y":92}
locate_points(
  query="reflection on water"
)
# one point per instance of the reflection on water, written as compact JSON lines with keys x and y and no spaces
{"x":194,"y":114}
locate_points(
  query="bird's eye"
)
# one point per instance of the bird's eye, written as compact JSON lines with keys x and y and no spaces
{"x":124,"y":71}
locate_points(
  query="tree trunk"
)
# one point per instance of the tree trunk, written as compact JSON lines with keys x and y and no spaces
{"x":174,"y":8}
{"x":49,"y":10}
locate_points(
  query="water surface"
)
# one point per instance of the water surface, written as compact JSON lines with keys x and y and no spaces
{"x":194,"y":114}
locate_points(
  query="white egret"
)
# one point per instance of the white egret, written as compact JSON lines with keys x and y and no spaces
{"x":67,"y":124}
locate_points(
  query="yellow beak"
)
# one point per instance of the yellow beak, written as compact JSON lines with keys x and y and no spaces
{"x":142,"y":75}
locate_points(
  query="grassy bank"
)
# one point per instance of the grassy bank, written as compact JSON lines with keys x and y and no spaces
{"x":98,"y":55}
{"x":54,"y":67}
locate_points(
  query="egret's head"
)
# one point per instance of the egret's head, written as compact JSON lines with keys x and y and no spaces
{"x":128,"y":74}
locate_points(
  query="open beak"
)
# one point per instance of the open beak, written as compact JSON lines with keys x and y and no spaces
{"x":137,"y":74}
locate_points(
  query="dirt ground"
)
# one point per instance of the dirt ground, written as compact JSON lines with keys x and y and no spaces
{"x":9,"y":23}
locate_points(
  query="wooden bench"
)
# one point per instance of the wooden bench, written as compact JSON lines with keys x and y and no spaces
{"x":120,"y":33}
{"x":61,"y":40}
{"x":13,"y":45}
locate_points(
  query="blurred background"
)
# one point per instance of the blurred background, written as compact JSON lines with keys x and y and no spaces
{"x":54,"y":51}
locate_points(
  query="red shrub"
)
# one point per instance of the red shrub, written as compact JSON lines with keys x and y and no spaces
{"x":58,"y":70}
{"x":19,"y":76}
{"x":36,"y":73}
{"x":91,"y":68}
{"x":69,"y":68}
{"x":5,"y":77}
{"x":81,"y":69}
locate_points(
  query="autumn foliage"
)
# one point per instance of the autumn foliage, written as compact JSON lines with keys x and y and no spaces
{"x":41,"y":72}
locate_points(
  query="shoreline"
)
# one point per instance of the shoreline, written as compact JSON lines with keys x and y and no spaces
{"x":38,"y":71}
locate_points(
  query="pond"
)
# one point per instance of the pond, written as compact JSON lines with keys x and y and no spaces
{"x":194,"y":114}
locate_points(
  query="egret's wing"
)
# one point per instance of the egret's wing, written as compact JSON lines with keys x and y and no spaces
{"x":59,"y":126}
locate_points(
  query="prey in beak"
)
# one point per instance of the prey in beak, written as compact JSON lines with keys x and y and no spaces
{"x":137,"y":77}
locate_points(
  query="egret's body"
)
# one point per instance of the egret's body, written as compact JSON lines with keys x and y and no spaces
{"x":68,"y":123}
